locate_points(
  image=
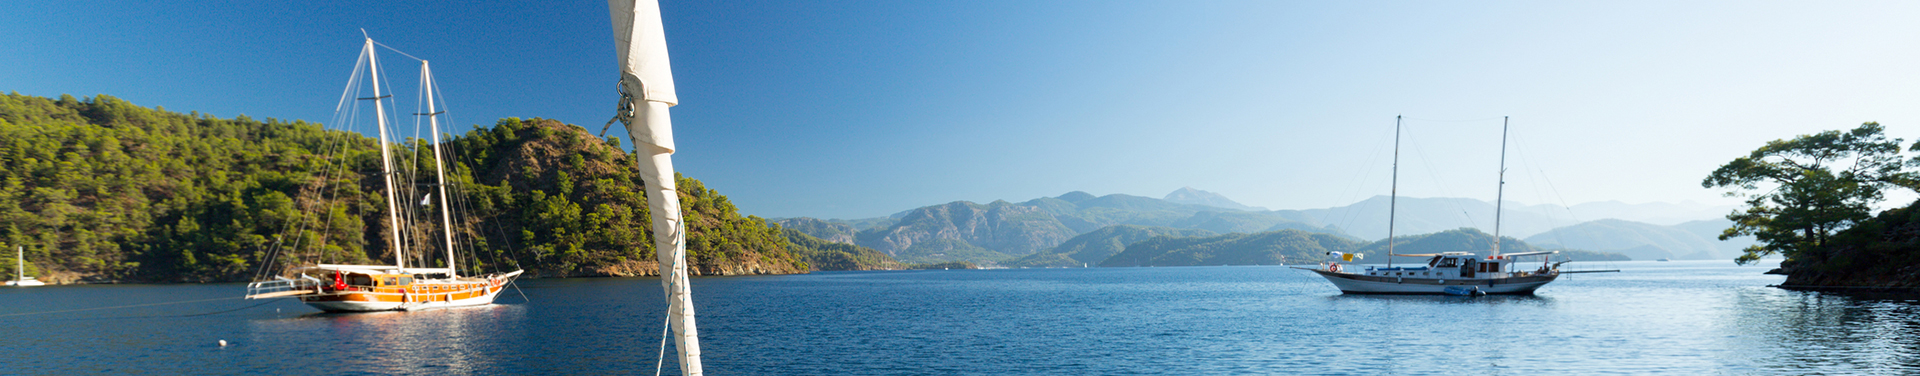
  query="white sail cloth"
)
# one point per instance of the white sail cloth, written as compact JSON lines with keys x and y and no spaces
{"x":647,"y":76}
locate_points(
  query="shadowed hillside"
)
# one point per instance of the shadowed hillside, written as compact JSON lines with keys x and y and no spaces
{"x":101,"y":189}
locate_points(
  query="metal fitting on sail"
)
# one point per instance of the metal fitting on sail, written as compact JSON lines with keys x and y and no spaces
{"x":622,"y":112}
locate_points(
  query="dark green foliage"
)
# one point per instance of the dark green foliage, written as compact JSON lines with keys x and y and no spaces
{"x":105,"y":190}
{"x":102,"y":189}
{"x":1800,"y":191}
{"x":1883,"y":251}
{"x":826,"y":255}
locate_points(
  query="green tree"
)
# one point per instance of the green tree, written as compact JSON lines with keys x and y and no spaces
{"x":1800,"y":192}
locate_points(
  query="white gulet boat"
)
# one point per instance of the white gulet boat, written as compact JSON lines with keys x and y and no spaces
{"x":366,"y":288}
{"x":20,"y":270}
{"x":1449,"y":273}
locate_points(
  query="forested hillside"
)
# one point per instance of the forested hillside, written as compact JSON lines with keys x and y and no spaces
{"x":1094,"y":247}
{"x":101,"y":189}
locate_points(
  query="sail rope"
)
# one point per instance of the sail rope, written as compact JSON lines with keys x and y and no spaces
{"x":1433,"y":173}
{"x":330,"y":147}
{"x":664,"y":326}
{"x":1361,"y":177}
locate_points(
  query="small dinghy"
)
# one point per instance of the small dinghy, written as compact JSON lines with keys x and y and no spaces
{"x":1464,"y":291}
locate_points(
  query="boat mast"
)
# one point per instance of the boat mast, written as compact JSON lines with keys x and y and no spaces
{"x":1499,"y":198}
{"x":386,"y":158}
{"x":20,"y":272}
{"x":1393,"y":203}
{"x":439,"y":169}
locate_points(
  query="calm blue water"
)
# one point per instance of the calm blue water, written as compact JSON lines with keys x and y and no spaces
{"x":1704,"y":317}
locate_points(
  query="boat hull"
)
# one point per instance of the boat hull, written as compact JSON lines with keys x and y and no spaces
{"x":1363,"y":284}
{"x":421,"y":296}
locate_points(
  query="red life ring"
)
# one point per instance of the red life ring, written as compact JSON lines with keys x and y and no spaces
{"x":1333,"y":267}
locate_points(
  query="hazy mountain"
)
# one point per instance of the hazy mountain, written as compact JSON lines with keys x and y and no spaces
{"x":999,"y":226}
{"x":1368,"y":219}
{"x":1642,"y":241}
{"x":1469,"y":240}
{"x":1266,"y":248}
{"x":1096,"y":246}
{"x":1658,"y":213}
{"x":825,"y":230}
{"x":825,"y":255}
{"x":1023,"y":228}
{"x":1301,"y":247}
{"x":1188,"y":195}
{"x":1710,"y":229}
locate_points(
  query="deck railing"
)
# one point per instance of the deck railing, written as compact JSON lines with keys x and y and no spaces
{"x":283,"y":286}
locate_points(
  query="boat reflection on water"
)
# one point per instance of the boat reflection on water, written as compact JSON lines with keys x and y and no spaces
{"x":451,"y":340}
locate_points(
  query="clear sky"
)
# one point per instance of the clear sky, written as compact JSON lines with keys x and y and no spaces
{"x":859,"y":109}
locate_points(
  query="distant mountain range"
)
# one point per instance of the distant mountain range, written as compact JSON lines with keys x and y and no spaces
{"x":1301,"y":247}
{"x":1188,"y":195}
{"x":1696,"y":240}
{"x":1028,"y":233}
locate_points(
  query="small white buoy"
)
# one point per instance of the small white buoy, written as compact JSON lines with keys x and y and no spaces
{"x":223,"y":343}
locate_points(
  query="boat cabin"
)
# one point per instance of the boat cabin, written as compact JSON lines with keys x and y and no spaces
{"x":1455,"y":265}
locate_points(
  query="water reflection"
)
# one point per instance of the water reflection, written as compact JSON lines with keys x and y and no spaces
{"x":1534,"y":300}
{"x":1814,"y":332}
{"x":455,"y":340}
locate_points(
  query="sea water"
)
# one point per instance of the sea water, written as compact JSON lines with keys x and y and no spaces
{"x":1683,"y":317}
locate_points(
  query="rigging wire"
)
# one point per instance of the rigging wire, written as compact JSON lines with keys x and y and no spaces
{"x":1362,"y":177}
{"x":1433,"y":173}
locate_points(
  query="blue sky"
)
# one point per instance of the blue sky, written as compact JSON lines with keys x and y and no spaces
{"x":863,"y":108}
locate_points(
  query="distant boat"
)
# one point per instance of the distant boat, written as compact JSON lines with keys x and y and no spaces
{"x":1450,"y":273}
{"x":20,"y":270}
{"x":368,"y":288}
{"x":1663,"y":259}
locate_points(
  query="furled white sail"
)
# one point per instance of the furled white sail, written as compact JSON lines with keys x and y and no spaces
{"x":647,"y":79}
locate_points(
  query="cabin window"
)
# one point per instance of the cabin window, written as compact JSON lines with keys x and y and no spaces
{"x":359,"y":279}
{"x":406,"y":280}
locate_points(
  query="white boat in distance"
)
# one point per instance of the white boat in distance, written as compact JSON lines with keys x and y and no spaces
{"x":1452,"y":273}
{"x":1448,"y":273}
{"x":20,"y":270}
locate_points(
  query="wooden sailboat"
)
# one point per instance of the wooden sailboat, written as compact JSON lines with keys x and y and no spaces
{"x":366,"y":288}
{"x":20,"y":277}
{"x":1451,"y":273}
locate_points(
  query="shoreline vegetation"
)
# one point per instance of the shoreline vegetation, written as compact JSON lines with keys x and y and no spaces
{"x":1811,"y":198}
{"x":101,"y":190}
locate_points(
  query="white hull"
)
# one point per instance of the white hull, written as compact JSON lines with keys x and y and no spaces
{"x":353,"y":306}
{"x":371,"y":301}
{"x":468,"y":302}
{"x":1360,"y":284}
{"x":348,"y":306}
{"x":26,"y":283}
